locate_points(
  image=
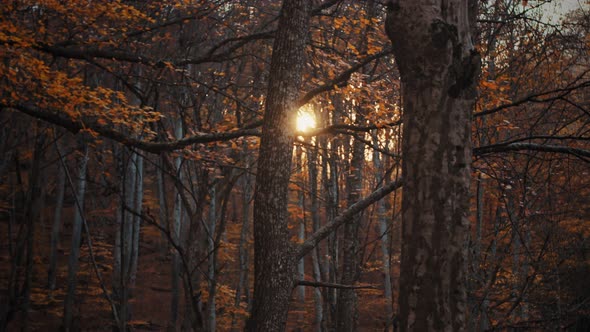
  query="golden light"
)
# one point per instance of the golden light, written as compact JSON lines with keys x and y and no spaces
{"x":305,"y":120}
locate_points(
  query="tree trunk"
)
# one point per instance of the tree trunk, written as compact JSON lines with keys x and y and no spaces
{"x":330,"y":179}
{"x":137,"y":206}
{"x":347,"y":300}
{"x":315,"y":222}
{"x":242,"y":288}
{"x":163,"y":206}
{"x":75,"y":249}
{"x":60,"y":186}
{"x":175,"y":229}
{"x":384,"y":232}
{"x":274,"y":259}
{"x":32,"y":215}
{"x":211,"y":319}
{"x":301,"y":232}
{"x":438,"y":65}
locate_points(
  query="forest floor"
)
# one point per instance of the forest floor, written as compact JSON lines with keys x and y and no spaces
{"x":151,"y":296}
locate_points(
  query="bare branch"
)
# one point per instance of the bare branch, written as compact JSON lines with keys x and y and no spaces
{"x":106,"y":131}
{"x":496,"y":148}
{"x":541,"y":97}
{"x":332,"y":285}
{"x":342,"y":78}
{"x":345,"y":216}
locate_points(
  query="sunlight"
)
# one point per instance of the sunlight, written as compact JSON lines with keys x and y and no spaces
{"x":305,"y":120}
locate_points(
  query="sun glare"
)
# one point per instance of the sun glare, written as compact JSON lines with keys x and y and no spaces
{"x":305,"y":120}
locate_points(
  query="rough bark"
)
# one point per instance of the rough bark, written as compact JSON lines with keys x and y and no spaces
{"x":274,"y":259}
{"x":438,"y":65}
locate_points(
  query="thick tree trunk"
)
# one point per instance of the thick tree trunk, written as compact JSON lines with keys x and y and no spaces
{"x":433,"y":47}
{"x":274,"y":259}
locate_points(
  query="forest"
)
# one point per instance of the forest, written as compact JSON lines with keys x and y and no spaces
{"x":300,"y":165}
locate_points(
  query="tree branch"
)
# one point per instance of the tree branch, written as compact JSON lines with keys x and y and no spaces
{"x":332,"y":285}
{"x":106,"y":131}
{"x":342,"y":78}
{"x":495,"y":148}
{"x":344,"y":129}
{"x":536,"y":98}
{"x":345,"y":216}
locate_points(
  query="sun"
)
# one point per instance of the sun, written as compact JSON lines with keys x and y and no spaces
{"x":305,"y":120}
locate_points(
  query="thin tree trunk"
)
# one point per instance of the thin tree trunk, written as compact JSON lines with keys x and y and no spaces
{"x":347,"y":300}
{"x":211,"y":319}
{"x":384,"y":232}
{"x":163,"y":205}
{"x":137,"y":206}
{"x":117,"y":274}
{"x":330,"y":179}
{"x":176,"y":222}
{"x":315,"y":220}
{"x":75,"y":248}
{"x":438,"y":99}
{"x":242,"y":288}
{"x":129,"y":217}
{"x":56,"y":227}
{"x":32,"y":215}
{"x":301,"y":232}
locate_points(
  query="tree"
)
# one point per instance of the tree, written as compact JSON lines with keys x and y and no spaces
{"x":182,"y":86}
{"x":432,"y":43}
{"x":274,"y":262}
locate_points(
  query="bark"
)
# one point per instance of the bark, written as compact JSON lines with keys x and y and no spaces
{"x":274,"y":259}
{"x":438,"y":65}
